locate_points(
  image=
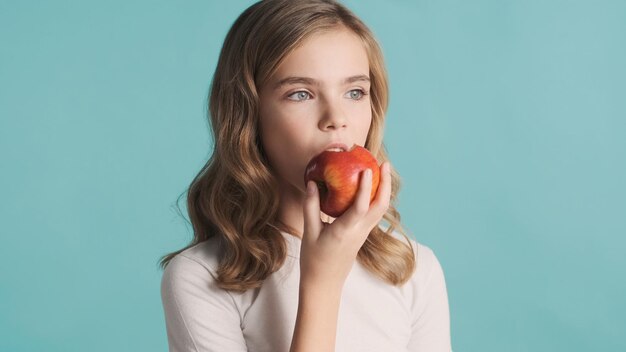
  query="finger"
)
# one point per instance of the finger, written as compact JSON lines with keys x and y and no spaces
{"x":361,"y":202}
{"x":312,"y":221}
{"x":380,"y":204}
{"x":383,"y":194}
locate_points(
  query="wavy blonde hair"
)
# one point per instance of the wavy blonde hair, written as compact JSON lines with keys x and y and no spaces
{"x":235,"y":195}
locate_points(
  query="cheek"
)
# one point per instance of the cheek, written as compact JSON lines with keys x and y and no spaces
{"x":279,"y":131}
{"x":283,"y":141}
{"x":364,"y":123}
{"x":270,"y":137}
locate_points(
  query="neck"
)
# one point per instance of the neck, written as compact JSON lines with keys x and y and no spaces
{"x":290,"y":212}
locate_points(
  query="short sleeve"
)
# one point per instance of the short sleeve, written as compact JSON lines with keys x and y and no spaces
{"x":430,"y":328}
{"x":199,"y":316}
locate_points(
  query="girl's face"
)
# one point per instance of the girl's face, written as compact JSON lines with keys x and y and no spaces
{"x":319,"y":95}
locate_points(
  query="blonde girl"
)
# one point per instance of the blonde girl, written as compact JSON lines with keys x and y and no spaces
{"x":267,"y":270}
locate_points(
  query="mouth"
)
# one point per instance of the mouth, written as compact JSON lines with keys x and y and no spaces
{"x":337,"y":147}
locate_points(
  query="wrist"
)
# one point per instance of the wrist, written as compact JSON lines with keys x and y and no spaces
{"x":316,"y":321}
{"x":323,"y":289}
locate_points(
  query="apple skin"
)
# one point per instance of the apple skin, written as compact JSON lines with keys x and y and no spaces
{"x":337,"y":177}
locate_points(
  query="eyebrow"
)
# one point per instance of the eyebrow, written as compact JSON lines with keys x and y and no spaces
{"x":311,"y":81}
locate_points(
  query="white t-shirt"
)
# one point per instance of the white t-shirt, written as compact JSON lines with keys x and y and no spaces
{"x":373,"y":315}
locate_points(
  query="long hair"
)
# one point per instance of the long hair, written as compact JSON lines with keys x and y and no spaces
{"x":235,"y":195}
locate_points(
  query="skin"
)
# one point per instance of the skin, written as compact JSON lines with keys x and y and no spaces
{"x":297,"y":122}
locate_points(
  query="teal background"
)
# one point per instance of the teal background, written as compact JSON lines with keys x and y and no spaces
{"x":506,"y":123}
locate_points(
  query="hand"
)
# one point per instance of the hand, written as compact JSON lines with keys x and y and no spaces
{"x":328,"y":251}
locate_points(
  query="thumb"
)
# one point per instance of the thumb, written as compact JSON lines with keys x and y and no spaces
{"x":312,"y":221}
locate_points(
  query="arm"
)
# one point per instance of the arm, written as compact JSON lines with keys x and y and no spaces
{"x":327,"y":255}
{"x":199,"y":316}
{"x":431,"y":314}
{"x":316,"y":322}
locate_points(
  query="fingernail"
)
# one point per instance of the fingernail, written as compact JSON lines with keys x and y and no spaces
{"x":368,"y":173}
{"x":310,"y":188}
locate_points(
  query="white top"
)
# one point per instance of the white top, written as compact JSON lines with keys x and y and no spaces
{"x":373,"y":315}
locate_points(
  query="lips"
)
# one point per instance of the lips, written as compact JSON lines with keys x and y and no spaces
{"x":337,"y":147}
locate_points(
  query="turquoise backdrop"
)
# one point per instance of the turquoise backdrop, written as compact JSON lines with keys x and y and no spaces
{"x":506,"y":123}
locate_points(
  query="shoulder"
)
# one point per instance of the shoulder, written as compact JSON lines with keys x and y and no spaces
{"x":204,"y":254}
{"x":424,"y":256}
{"x":195,"y":266}
{"x":427,"y":297}
{"x":190,"y":279}
{"x":426,"y":261}
{"x":199,"y":314}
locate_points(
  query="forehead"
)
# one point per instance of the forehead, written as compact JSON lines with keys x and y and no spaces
{"x":326,"y":56}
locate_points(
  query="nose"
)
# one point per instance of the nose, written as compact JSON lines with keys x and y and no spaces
{"x":333,"y":116}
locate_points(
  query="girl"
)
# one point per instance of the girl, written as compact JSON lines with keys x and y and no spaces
{"x":267,"y":270}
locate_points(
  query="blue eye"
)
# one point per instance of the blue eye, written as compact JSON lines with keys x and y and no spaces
{"x":299,"y":94}
{"x":360,"y":94}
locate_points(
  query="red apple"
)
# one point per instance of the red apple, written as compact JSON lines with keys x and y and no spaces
{"x":336,"y":174}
